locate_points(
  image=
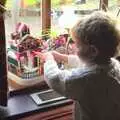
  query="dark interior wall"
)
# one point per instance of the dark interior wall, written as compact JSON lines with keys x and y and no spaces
{"x":3,"y":66}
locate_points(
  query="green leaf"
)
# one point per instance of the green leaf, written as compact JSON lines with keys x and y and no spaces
{"x":30,"y":2}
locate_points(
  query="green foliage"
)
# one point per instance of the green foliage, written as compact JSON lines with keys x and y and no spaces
{"x":30,"y":2}
{"x":53,"y":33}
{"x":27,"y":2}
{"x":9,"y":4}
{"x":55,"y":3}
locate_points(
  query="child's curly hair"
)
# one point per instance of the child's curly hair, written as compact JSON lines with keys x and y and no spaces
{"x":96,"y":37}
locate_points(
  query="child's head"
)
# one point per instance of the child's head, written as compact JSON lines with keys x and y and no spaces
{"x":96,"y":37}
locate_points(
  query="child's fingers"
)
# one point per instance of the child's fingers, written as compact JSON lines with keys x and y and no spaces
{"x":44,"y":56}
{"x":41,"y":55}
{"x":37,"y":53}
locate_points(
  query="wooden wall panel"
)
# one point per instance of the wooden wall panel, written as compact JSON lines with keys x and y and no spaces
{"x":60,"y":113}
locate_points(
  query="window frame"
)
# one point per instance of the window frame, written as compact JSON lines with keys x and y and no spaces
{"x":46,"y":24}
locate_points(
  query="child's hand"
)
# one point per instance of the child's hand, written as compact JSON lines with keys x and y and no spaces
{"x":44,"y":56}
{"x":48,"y":56}
{"x":56,"y":56}
{"x":59,"y":57}
{"x":41,"y":55}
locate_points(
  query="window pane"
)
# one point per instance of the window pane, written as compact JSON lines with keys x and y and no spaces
{"x":28,"y":14}
{"x":64,"y":14}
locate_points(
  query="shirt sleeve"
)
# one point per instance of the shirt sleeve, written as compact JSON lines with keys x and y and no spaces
{"x":55,"y":77}
{"x":65,"y":82}
{"x":74,"y":62}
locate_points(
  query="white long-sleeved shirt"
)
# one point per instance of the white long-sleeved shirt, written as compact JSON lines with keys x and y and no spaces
{"x":51,"y":71}
{"x":96,"y":91}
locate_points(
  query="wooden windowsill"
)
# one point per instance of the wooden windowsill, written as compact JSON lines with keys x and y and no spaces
{"x":15,"y":88}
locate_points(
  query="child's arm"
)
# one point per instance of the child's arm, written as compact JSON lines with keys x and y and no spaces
{"x":56,"y":55}
{"x":55,"y":77}
{"x":71,"y":60}
{"x":63,"y":81}
{"x":60,"y":57}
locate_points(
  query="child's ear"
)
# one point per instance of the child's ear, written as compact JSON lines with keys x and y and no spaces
{"x":93,"y":51}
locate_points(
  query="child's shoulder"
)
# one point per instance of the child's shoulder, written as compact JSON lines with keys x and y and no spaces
{"x":83,"y":71}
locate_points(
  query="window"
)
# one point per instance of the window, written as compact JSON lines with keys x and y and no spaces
{"x":26,"y":13}
{"x":65,"y":13}
{"x":31,"y":13}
